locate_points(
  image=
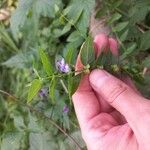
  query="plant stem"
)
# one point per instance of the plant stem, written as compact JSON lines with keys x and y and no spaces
{"x":17,"y":100}
{"x":72,"y":24}
{"x":63,"y":75}
{"x":64,"y":86}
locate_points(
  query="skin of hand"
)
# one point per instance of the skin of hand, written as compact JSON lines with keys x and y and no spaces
{"x":111,"y":112}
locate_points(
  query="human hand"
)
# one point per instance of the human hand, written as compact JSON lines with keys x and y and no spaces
{"x":111,"y":113}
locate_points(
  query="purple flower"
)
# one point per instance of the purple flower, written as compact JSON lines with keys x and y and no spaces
{"x":62,"y":66}
{"x":65,"y":109}
{"x":43,"y":92}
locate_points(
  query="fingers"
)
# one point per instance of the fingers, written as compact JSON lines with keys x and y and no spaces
{"x":117,"y":94}
{"x":113,"y":46}
{"x":85,"y":102}
{"x":101,"y":43}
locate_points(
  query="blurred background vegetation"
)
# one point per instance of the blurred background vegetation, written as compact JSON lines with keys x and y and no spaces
{"x":59,"y":27}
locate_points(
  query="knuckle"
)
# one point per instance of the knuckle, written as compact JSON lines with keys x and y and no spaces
{"x":115,"y":90}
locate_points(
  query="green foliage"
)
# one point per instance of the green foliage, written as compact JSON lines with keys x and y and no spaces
{"x":59,"y":28}
{"x":144,"y":41}
{"x":73,"y":83}
{"x":52,"y":89}
{"x":31,"y":9}
{"x":46,"y":63}
{"x":20,"y":60}
{"x":87,"y":51}
{"x":78,"y":12}
{"x":146,"y":62}
{"x":34,"y":88}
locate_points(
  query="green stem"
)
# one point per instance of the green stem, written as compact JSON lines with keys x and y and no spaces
{"x":72,"y":24}
{"x":63,"y":75}
{"x":64,"y":86}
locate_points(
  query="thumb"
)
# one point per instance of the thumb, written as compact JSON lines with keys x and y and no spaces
{"x":117,"y":94}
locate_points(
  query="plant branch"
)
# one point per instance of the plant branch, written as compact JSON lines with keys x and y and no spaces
{"x":17,"y":100}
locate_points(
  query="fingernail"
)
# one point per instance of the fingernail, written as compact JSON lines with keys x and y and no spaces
{"x":98,"y":77}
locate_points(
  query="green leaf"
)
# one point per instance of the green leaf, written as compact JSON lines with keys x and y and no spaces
{"x":66,"y":29}
{"x":87,"y":51}
{"x":52,"y":89}
{"x":42,"y":141}
{"x":34,"y":89}
{"x":74,"y":13}
{"x":38,"y":8}
{"x":20,"y":60}
{"x":124,"y":35}
{"x":11,"y":140}
{"x":129,"y":50}
{"x":120,"y":26}
{"x":139,"y":11}
{"x":117,"y":3}
{"x":114,"y":17}
{"x":18,"y":121}
{"x":73,"y":83}
{"x":80,"y":12}
{"x":146,"y":62}
{"x":69,"y":55}
{"x":73,"y":36}
{"x":101,"y":12}
{"x":19,"y":16}
{"x":145,"y":44}
{"x":5,"y":37}
{"x":34,"y":124}
{"x":56,"y":8}
{"x":46,"y":63}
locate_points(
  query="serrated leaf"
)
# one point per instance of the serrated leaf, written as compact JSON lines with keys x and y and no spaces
{"x":120,"y":26}
{"x":73,"y":83}
{"x":20,"y":15}
{"x":46,"y":62}
{"x":87,"y":51}
{"x":34,"y":89}
{"x":52,"y":89}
